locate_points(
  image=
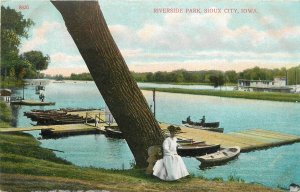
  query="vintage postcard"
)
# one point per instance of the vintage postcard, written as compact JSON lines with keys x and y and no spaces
{"x":141,"y":95}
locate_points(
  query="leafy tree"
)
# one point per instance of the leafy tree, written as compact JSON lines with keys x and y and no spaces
{"x":217,"y":80}
{"x":294,"y":75}
{"x":13,"y":27}
{"x":159,"y":76}
{"x":37,"y":59}
{"x":231,"y":76}
{"x":149,"y":77}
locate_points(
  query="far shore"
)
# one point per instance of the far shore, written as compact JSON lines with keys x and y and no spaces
{"x":270,"y":96}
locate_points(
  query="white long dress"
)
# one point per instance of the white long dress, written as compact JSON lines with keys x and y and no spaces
{"x":171,"y":167}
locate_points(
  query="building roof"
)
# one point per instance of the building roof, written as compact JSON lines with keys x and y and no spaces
{"x":5,"y":92}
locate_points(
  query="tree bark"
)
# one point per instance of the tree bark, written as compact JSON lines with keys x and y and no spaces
{"x":86,"y":24}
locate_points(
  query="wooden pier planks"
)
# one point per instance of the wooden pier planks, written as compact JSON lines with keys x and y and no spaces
{"x":13,"y":129}
{"x":248,"y":140}
{"x":90,"y":114}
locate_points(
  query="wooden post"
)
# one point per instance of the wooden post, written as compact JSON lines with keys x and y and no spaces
{"x":23,"y":92}
{"x":154,"y":102}
{"x":86,"y":115}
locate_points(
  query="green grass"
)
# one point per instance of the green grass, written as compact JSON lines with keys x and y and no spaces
{"x":23,"y":162}
{"x":287,"y":97}
{"x":11,"y":83}
{"x":5,"y":115}
{"x":186,"y":83}
{"x":26,"y":166}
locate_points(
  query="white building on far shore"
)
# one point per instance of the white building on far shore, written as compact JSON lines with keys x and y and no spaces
{"x":277,"y":85}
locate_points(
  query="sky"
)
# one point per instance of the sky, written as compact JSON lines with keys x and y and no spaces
{"x":205,"y":35}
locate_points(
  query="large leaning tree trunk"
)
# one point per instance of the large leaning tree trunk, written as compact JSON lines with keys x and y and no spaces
{"x":86,"y":24}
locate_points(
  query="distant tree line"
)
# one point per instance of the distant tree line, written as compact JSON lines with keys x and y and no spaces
{"x":16,"y":66}
{"x":218,"y":78}
{"x":81,"y":77}
{"x":73,"y":76}
{"x":213,"y":77}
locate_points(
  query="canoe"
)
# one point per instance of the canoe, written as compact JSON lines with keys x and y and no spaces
{"x":114,"y":133}
{"x":214,"y":129}
{"x":210,"y":124}
{"x":221,"y":156}
{"x":197,"y":149}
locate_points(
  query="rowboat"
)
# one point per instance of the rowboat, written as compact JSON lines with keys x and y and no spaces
{"x":210,"y":124}
{"x":31,"y":102}
{"x":214,"y":129}
{"x":184,"y":140}
{"x":221,"y":156}
{"x":188,"y":141}
{"x":197,"y":149}
{"x":114,"y":133}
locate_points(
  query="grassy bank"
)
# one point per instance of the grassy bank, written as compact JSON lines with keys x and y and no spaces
{"x":11,"y":83}
{"x":5,"y":115}
{"x":187,"y":83}
{"x":25,"y":166}
{"x":287,"y":97}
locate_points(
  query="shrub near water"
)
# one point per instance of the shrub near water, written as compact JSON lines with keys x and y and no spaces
{"x":5,"y":115}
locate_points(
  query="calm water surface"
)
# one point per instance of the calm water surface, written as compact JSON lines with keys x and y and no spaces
{"x":274,"y":167}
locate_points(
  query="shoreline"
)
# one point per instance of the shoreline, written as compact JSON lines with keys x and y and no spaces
{"x":24,"y":160}
{"x":269,"y":96}
{"x":19,"y":167}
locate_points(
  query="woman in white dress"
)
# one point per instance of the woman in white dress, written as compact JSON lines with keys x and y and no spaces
{"x":171,"y":167}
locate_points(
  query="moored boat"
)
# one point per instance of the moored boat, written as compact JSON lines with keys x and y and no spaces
{"x":188,"y":141}
{"x":31,"y":102}
{"x":214,"y":129}
{"x":197,"y":149}
{"x":114,"y":133}
{"x":209,"y":124}
{"x":221,"y":156}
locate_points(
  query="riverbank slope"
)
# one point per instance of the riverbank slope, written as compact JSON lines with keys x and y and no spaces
{"x":26,"y":166}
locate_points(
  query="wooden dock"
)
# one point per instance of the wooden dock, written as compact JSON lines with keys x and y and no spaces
{"x":54,"y":131}
{"x":61,"y":130}
{"x":247,"y":140}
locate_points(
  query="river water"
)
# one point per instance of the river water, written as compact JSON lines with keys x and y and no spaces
{"x":275,"y":167}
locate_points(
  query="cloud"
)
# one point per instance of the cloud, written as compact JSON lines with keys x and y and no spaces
{"x":267,"y":20}
{"x":208,"y":41}
{"x":39,"y":36}
{"x":62,"y":59}
{"x":211,"y":64}
{"x":127,"y":53}
{"x":186,"y":32}
{"x":65,"y":71}
{"x":123,"y":35}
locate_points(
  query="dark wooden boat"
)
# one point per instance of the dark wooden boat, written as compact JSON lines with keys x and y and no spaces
{"x":184,"y":140}
{"x":114,"y":133}
{"x":197,"y":149}
{"x":31,"y":103}
{"x":210,"y":124}
{"x":214,"y":129}
{"x":220,"y":157}
{"x":188,"y":141}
